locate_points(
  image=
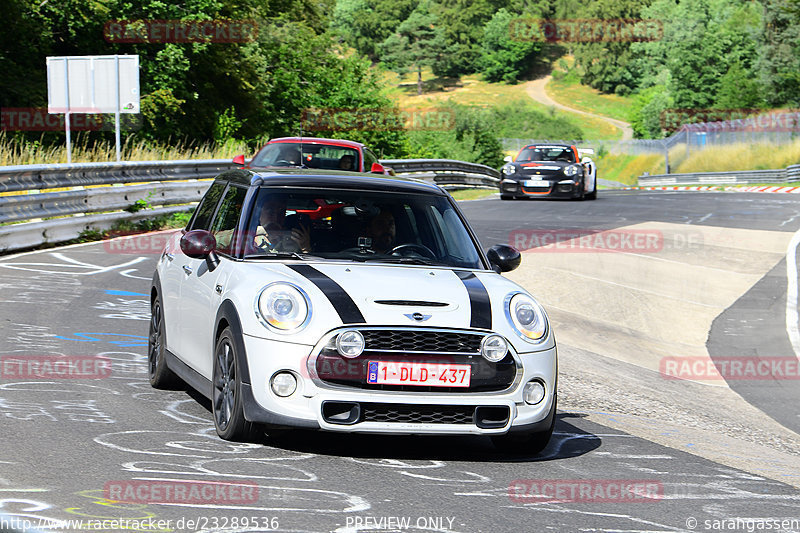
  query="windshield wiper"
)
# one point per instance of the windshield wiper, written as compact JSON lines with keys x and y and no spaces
{"x":276,"y":255}
{"x":406,"y":261}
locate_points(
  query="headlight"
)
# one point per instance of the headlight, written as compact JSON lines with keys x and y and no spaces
{"x":526,"y":316}
{"x":509,"y":169}
{"x":283,"y":306}
{"x":571,"y":170}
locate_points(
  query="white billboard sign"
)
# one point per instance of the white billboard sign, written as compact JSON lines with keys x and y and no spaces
{"x":90,"y":84}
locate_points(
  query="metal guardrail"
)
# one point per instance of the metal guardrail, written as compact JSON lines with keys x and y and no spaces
{"x":100,"y":193}
{"x":789,"y":174}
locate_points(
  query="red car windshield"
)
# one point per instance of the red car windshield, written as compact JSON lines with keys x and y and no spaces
{"x":307,"y":155}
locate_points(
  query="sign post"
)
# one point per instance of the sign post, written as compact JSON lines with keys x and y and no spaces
{"x":93,"y":84}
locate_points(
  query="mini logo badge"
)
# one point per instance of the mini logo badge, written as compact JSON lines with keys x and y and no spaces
{"x":419,"y":317}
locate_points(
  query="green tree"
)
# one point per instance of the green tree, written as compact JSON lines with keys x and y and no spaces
{"x":779,"y":53}
{"x":417,"y":43}
{"x":503,"y":58}
{"x":364,"y":24}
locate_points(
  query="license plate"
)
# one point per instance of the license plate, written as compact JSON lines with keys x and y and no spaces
{"x":421,"y":374}
{"x":536,"y":183}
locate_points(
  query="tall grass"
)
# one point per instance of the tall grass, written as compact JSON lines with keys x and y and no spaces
{"x":740,"y":157}
{"x":85,"y":150}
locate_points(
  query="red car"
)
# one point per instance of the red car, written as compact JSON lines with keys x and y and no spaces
{"x":314,"y":152}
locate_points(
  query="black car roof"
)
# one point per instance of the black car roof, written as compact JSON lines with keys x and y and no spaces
{"x":334,"y":179}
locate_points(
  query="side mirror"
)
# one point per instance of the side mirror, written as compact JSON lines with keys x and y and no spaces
{"x":377,"y":168}
{"x":239,"y":160}
{"x":508,"y":159}
{"x":198,"y":243}
{"x":503,"y":258}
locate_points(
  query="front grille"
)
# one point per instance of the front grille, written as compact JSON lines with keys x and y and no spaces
{"x":417,"y":414}
{"x":416,"y":346}
{"x":421,"y":341}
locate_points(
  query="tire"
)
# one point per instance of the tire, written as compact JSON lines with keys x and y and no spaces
{"x":161,"y":377}
{"x":593,"y":195}
{"x":506,"y":197}
{"x":527,"y":443}
{"x":226,"y":399}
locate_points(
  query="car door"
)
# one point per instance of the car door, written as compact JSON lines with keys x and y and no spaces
{"x":202,"y":287}
{"x":172,"y":272}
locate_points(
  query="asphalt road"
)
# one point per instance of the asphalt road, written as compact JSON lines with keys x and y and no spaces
{"x":65,"y":442}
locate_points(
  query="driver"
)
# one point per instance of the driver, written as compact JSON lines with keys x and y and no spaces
{"x":272,"y":233}
{"x":381,"y":229}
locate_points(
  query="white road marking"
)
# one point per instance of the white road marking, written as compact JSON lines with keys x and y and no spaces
{"x":791,"y":294}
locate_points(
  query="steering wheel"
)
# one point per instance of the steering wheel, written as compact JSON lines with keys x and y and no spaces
{"x":419,"y":248}
{"x":284,"y":163}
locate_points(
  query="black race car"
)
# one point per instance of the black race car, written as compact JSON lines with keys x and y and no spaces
{"x":547,"y":170}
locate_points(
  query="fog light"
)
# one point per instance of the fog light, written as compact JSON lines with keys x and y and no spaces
{"x":494,"y":348}
{"x":283,"y":384}
{"x":350,"y":343}
{"x":533,"y":392}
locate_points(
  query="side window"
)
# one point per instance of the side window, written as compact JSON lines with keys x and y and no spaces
{"x":227,"y":218}
{"x":369,"y":158}
{"x":208,"y":204}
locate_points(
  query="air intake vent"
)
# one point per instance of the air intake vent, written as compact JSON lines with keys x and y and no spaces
{"x":415,"y":303}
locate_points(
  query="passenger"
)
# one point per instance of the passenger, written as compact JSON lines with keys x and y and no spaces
{"x":347,"y":162}
{"x":381,"y":229}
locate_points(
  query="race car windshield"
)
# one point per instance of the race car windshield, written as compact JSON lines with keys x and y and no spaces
{"x":307,"y":155}
{"x":360,"y":226}
{"x":547,"y":153}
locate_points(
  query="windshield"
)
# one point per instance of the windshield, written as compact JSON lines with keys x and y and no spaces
{"x":564,"y":154}
{"x":360,"y":226}
{"x":310,"y":155}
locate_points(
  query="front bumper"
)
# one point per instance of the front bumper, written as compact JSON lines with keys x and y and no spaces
{"x":334,"y":407}
{"x":557,"y":188}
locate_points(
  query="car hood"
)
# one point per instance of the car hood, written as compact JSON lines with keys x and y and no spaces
{"x":369,"y":294}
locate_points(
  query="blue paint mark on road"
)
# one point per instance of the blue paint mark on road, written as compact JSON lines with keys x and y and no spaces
{"x":128,"y":340}
{"x":124,"y":293}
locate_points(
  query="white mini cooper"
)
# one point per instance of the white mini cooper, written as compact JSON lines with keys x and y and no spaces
{"x":344,"y":302}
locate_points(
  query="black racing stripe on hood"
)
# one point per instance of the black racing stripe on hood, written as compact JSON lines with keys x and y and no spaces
{"x":345,"y":306}
{"x":481,"y":306}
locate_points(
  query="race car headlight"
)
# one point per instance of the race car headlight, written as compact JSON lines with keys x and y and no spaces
{"x":526,"y":316}
{"x":571,"y":170}
{"x":509,"y":169}
{"x":283,"y":306}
